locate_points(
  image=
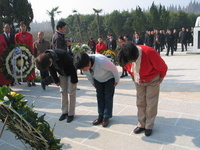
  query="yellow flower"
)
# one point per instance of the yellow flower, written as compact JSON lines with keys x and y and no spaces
{"x":20,"y":62}
{"x":13,"y":94}
{"x":109,"y":51}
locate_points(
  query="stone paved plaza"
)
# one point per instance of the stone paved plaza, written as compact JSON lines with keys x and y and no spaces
{"x":177,"y":126}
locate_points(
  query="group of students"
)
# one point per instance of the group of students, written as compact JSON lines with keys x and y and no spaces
{"x":148,"y":71}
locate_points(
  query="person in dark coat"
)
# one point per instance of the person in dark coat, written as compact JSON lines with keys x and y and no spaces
{"x":137,"y":40}
{"x":112,"y":44}
{"x":92,"y":44}
{"x":157,"y":41}
{"x":176,"y":38}
{"x":149,"y":39}
{"x":170,"y":42}
{"x":183,"y":39}
{"x":9,"y":37}
{"x":63,"y":72}
{"x":58,"y":39}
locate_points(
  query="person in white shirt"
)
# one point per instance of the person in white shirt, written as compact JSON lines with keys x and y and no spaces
{"x":104,"y":76}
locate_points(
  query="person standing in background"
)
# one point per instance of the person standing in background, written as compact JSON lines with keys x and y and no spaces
{"x":58,"y":39}
{"x":40,"y":46}
{"x":24,"y":37}
{"x":112,"y":44}
{"x":157,"y":41}
{"x":9,"y":37}
{"x":138,"y":40}
{"x":170,"y":42}
{"x":176,"y":37}
{"x":183,"y":39}
{"x":92,"y":44}
{"x":3,"y":47}
{"x":100,"y":46}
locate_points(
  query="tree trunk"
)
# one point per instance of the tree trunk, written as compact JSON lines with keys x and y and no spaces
{"x":98,"y":26}
{"x":79,"y":27}
{"x":53,"y":24}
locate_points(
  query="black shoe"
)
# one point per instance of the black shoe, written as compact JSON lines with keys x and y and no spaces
{"x":33,"y":84}
{"x":122,"y":76}
{"x":97,"y":121}
{"x":43,"y":84}
{"x":70,"y":119}
{"x":105,"y":122}
{"x":29,"y":84}
{"x":138,"y":130}
{"x":148,"y":132}
{"x":63,"y":117}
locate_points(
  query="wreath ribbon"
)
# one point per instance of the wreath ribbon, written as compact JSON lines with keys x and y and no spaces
{"x":16,"y":52}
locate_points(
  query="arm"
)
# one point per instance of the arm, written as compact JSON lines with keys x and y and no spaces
{"x":54,"y":75}
{"x":108,"y":65}
{"x":158,"y":63}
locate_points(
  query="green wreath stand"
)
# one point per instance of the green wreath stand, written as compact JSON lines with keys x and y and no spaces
{"x":25,"y":123}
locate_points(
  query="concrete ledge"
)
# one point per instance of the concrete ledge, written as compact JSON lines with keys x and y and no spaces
{"x":196,"y":52}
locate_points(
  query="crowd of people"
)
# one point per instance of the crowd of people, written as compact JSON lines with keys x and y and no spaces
{"x":139,"y":57}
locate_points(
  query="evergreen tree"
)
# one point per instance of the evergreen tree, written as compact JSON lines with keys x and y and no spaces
{"x":140,"y":22}
{"x":15,"y":11}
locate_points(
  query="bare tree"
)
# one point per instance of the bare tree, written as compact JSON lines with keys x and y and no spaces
{"x":52,"y":14}
{"x":97,"y":11}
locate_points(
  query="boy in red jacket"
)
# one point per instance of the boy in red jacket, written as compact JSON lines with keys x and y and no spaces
{"x":149,"y":70}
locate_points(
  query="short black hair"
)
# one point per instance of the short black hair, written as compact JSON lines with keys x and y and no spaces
{"x":121,"y":38}
{"x":81,"y":60}
{"x":60,"y":24}
{"x":42,"y":61}
{"x":126,"y":52}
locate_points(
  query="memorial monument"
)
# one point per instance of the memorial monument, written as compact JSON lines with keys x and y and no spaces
{"x":196,"y":41}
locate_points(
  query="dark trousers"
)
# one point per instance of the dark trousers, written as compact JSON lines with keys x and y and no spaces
{"x":105,"y":92}
{"x":170,"y":46}
{"x":157,"y":47}
{"x":175,"y":44}
{"x":44,"y":74}
{"x":182,"y":46}
{"x":48,"y":80}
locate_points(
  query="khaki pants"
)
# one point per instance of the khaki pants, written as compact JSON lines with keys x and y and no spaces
{"x":147,"y":102}
{"x":67,"y":88}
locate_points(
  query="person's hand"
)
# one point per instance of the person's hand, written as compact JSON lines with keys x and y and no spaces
{"x":160,"y":80}
{"x":74,"y":84}
{"x":133,"y":78}
{"x":115,"y":84}
{"x":94,"y":85}
{"x":58,"y":84}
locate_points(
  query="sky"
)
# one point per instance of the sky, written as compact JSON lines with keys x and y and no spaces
{"x":86,"y":6}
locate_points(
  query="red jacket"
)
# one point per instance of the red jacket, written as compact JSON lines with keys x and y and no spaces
{"x":151,"y":64}
{"x":27,"y":39}
{"x":100,"y":47}
{"x":3,"y":47}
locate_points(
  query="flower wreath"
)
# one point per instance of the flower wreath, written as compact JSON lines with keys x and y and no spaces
{"x":110,"y":54}
{"x":25,"y":123}
{"x":82,"y":48}
{"x":18,"y":62}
